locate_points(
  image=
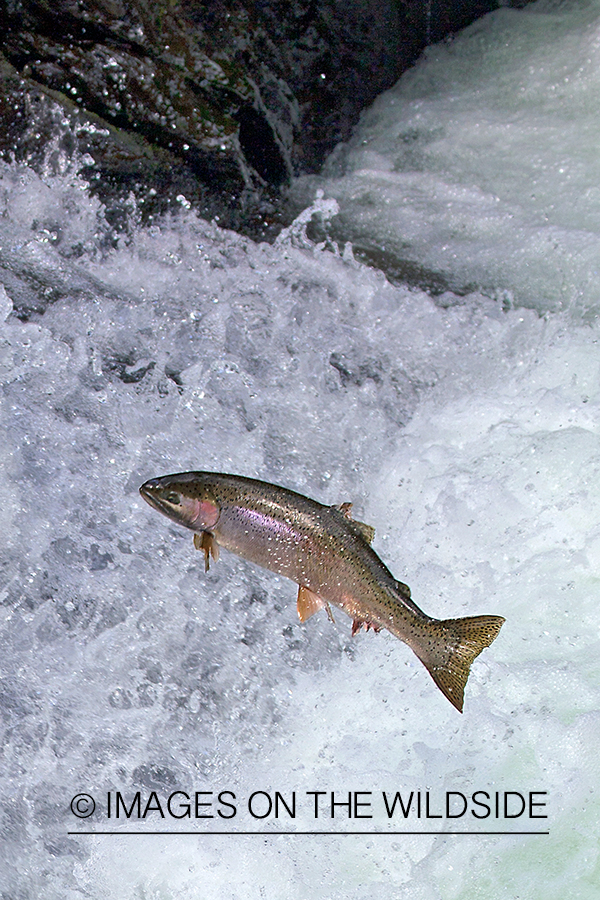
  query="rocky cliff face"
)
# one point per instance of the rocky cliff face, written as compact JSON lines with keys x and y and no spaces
{"x":218,"y":103}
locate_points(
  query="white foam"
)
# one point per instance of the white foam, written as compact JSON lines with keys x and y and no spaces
{"x":468,"y":435}
{"x":481,"y":165}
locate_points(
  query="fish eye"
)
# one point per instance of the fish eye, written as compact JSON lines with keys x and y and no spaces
{"x":174,"y":498}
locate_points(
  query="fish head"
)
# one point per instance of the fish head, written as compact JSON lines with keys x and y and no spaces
{"x":185,"y":498}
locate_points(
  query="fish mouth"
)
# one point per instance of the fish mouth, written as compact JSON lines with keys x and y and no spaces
{"x":146,"y":491}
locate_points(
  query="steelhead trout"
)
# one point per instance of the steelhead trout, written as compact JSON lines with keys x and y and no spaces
{"x":329,"y":556}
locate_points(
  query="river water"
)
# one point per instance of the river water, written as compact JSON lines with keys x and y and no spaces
{"x":464,"y":426}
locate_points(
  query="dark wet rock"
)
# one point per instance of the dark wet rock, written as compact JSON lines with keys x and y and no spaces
{"x":216,"y":103}
{"x":397,"y":269}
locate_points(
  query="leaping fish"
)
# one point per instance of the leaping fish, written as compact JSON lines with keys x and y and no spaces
{"x":329,"y":556}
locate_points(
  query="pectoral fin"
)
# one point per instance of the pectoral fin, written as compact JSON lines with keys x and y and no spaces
{"x":309,"y":604}
{"x":206,"y":542}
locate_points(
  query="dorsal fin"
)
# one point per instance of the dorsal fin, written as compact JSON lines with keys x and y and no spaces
{"x":365,"y":531}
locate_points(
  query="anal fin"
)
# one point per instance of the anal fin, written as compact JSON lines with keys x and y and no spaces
{"x":357,"y":624}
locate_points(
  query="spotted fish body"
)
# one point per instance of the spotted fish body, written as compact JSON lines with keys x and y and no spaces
{"x":328,"y":554}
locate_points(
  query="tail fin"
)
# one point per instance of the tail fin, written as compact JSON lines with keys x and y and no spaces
{"x":448,"y":658}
